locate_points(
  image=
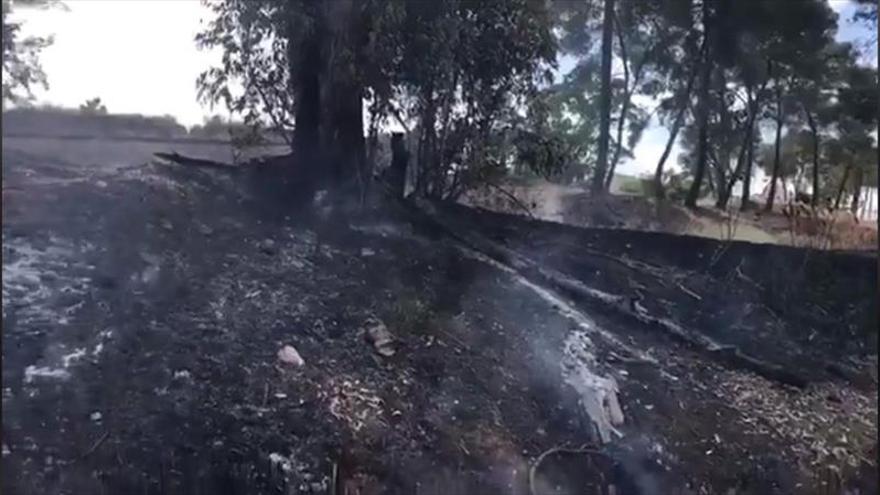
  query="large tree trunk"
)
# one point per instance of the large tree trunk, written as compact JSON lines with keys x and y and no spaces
{"x":702,"y":114}
{"x":814,"y":199}
{"x":598,"y":184}
{"x":342,"y":124}
{"x":305,"y":61}
{"x":777,"y":154}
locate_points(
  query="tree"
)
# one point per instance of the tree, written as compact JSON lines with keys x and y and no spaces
{"x":93,"y":107}
{"x":758,"y":52}
{"x":310,"y":66}
{"x":21,"y":65}
{"x":598,"y":184}
{"x":702,"y":111}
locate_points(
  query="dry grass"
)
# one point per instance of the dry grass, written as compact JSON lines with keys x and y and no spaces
{"x":570,"y":204}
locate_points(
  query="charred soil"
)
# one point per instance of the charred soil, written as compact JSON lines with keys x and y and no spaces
{"x":144,"y":309}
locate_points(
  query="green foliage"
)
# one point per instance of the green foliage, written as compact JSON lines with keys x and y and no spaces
{"x":454,"y":68}
{"x":21,"y":66}
{"x":93,"y":107}
{"x":545,"y":156}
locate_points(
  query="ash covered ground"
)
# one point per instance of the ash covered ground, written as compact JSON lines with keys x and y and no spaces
{"x":144,"y":308}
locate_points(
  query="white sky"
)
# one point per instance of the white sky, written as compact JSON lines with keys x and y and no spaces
{"x":138,"y":56}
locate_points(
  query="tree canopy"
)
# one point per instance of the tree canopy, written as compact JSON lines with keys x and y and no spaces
{"x":472,"y":84}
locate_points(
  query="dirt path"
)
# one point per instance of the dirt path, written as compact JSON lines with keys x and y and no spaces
{"x":143,"y":310}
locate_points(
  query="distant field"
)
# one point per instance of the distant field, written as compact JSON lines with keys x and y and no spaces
{"x":116,"y":153}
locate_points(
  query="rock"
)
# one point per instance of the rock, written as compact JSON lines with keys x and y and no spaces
{"x":166,"y":224}
{"x":96,"y":416}
{"x":288,"y":355}
{"x":367,"y":252}
{"x":268,"y":246}
{"x":205,"y":230}
{"x":182,"y":375}
{"x":378,"y":335}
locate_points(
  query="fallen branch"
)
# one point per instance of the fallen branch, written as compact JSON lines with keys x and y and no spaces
{"x":513,"y":198}
{"x":617,"y":304}
{"x":689,"y":292}
{"x":95,"y":445}
{"x":193,"y":162}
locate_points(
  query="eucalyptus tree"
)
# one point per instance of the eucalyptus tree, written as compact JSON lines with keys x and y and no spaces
{"x":22,"y":71}
{"x":445,"y":70}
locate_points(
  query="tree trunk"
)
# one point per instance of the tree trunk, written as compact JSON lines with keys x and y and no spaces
{"x":857,"y":191}
{"x":724,"y":197}
{"x":306,"y":58}
{"x":624,"y":106}
{"x":747,"y":176}
{"x":703,"y":114}
{"x":399,"y":161}
{"x":814,"y":199}
{"x":604,"y":100}
{"x":676,"y":126}
{"x":342,"y":123}
{"x":777,"y":154}
{"x":722,"y":165}
{"x":842,"y":187}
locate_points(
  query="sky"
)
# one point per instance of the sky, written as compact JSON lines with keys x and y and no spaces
{"x":138,"y":56}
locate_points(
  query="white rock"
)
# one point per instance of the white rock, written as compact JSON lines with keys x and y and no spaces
{"x":96,"y":416}
{"x":182,"y":375}
{"x":367,"y":252}
{"x":289,"y":355}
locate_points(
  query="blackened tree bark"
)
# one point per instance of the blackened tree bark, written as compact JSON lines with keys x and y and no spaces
{"x":342,"y":128}
{"x":702,"y":113}
{"x":598,"y":184}
{"x":306,"y":65}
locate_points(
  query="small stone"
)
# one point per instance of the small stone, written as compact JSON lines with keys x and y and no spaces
{"x":280,"y":395}
{"x":289,"y":355}
{"x":96,"y":416}
{"x":205,"y":230}
{"x":166,"y":224}
{"x":182,"y":375}
{"x":367,"y":252}
{"x":267,"y":246}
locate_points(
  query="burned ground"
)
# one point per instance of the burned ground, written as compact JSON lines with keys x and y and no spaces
{"x":144,"y":307}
